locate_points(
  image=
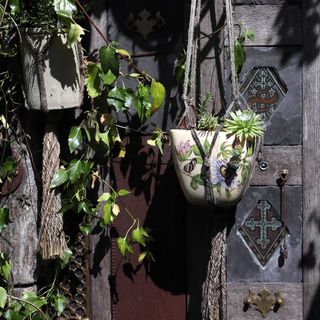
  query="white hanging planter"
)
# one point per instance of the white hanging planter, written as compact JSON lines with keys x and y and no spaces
{"x":227,"y":189}
{"x":52,"y":73}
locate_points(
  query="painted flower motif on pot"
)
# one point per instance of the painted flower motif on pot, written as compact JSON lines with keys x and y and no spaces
{"x":183,"y":150}
{"x":221,"y":182}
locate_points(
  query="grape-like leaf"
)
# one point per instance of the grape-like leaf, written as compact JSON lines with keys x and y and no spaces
{"x":158,"y":94}
{"x":93,"y":80}
{"x":109,"y":60}
{"x":75,"y":138}
{"x":59,"y":178}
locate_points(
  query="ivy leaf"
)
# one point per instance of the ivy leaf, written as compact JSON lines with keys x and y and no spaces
{"x":15,"y":7}
{"x":124,"y":246}
{"x":66,"y":6}
{"x":65,"y":260}
{"x":93,"y":80}
{"x":115,"y":209}
{"x":249,"y":34}
{"x":4,"y":218}
{"x":75,"y":138}
{"x":108,"y":78}
{"x":180,"y":66}
{"x":158,"y":94}
{"x":139,"y":235}
{"x":74,"y":34}
{"x":59,"y":304}
{"x":107,"y":213}
{"x":239,"y":56}
{"x":142,"y":256}
{"x":123,"y":192}
{"x":109,"y":60}
{"x":104,"y":197}
{"x":59,"y":178}
{"x":5,"y":266}
{"x":123,"y":52}
{"x":85,"y":228}
{"x":3,"y":297}
{"x":116,"y":98}
{"x":142,"y":102}
{"x":36,"y":301}
{"x":85,"y":206}
{"x":74,"y":170}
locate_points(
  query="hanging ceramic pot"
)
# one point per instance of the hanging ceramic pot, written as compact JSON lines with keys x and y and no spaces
{"x":231,"y":163}
{"x":52,"y":72}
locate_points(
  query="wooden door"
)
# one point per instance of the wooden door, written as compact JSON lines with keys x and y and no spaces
{"x":153,"y":33}
{"x":265,"y":241}
{"x":279,"y":80}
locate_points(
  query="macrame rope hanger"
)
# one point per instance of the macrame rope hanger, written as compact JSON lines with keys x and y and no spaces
{"x":214,"y":293}
{"x":189,"y":85}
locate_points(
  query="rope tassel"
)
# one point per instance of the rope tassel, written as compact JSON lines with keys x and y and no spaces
{"x":52,"y":241}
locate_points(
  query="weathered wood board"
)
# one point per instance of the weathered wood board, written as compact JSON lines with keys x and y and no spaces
{"x":291,"y":292}
{"x":19,"y":240}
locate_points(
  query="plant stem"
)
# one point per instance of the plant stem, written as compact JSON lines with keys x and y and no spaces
{"x":112,"y":189}
{"x":4,"y":11}
{"x":31,"y":304}
{"x":128,"y":60}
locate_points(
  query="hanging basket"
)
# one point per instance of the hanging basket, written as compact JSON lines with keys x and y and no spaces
{"x":52,"y":76}
{"x":229,"y":174}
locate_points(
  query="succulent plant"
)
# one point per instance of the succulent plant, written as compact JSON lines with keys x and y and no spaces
{"x":244,"y":124}
{"x":206,"y":120}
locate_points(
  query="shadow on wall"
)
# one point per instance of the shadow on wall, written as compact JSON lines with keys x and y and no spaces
{"x":151,"y":27}
{"x":288,"y":30}
{"x":310,"y":261}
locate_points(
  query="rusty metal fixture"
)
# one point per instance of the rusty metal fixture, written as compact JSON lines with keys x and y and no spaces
{"x":264,"y":301}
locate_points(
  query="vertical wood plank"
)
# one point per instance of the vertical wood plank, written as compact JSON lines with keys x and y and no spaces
{"x":99,"y":243}
{"x":211,"y":51}
{"x":19,"y":240}
{"x":311,"y":156}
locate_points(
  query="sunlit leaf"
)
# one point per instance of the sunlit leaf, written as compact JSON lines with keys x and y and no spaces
{"x":66,"y":258}
{"x":109,"y":60}
{"x":142,"y":256}
{"x":59,"y":303}
{"x":139,"y":235}
{"x":107,"y":211}
{"x":74,"y":34}
{"x":93,"y":80}
{"x":158,"y":94}
{"x":75,"y":138}
{"x":123,"y":192}
{"x":124,"y":53}
{"x":85,"y":228}
{"x":108,"y":78}
{"x":36,"y":302}
{"x":59,"y":178}
{"x":239,"y":56}
{"x":249,"y":34}
{"x":3,"y":297}
{"x":5,"y":266}
{"x":104,"y":197}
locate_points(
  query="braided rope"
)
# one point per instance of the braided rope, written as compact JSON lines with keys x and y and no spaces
{"x":214,"y":291}
{"x":52,"y":240}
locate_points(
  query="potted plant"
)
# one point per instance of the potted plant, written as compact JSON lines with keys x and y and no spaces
{"x":51,"y":54}
{"x":231,"y":159}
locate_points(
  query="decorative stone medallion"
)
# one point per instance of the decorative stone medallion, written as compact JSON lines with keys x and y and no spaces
{"x":263,"y":90}
{"x":145,"y":22}
{"x":263,"y":231}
